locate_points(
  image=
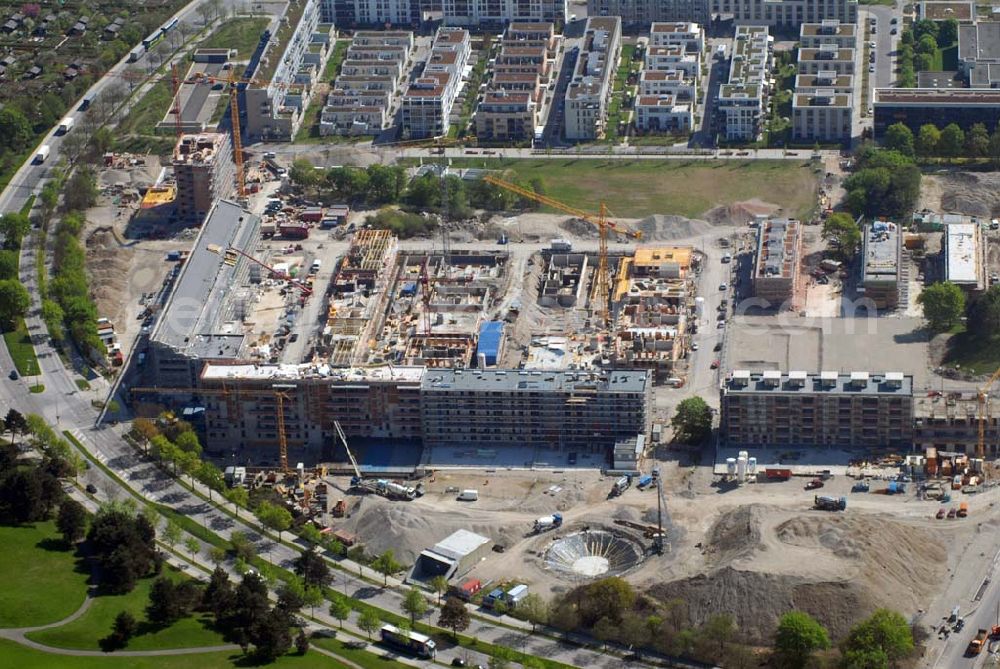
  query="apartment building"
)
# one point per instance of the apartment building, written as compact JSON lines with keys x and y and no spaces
{"x":786,"y":13}
{"x":291,"y":63}
{"x":742,"y":99}
{"x":683,"y":33}
{"x":913,"y":107}
{"x":565,"y":409}
{"x":660,"y":82}
{"x":525,"y":59}
{"x":663,"y":113}
{"x":829,"y":31}
{"x":500,"y":12}
{"x":772,"y":409}
{"x":205,"y":172}
{"x":639,"y":13}
{"x":964,"y":253}
{"x":589,"y":90}
{"x":827,"y":58}
{"x":673,"y":57}
{"x":881,"y":260}
{"x":979,"y":53}
{"x":427,"y":103}
{"x":822,"y":115}
{"x":355,"y":113}
{"x":776,"y":264}
{"x":505,"y":115}
{"x":532,"y":34}
{"x":838,"y":83}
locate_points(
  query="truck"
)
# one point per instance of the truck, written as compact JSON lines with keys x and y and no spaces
{"x":43,"y":153}
{"x":774,"y":474}
{"x":963,"y":509}
{"x":548,"y":523}
{"x":87,"y":100}
{"x":977,"y":643}
{"x":621,"y":485}
{"x":419,"y":644}
{"x":827,"y":503}
{"x":861,"y":486}
{"x":65,"y":125}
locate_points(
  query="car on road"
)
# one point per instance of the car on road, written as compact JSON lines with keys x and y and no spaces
{"x":941,"y":513}
{"x":718,"y":346}
{"x":893,"y":31}
{"x":694,"y":346}
{"x":874,"y":29}
{"x":871,"y":44}
{"x":91,"y":488}
{"x":715,"y":364}
{"x":13,"y":375}
{"x":871,"y":68}
{"x":723,"y":287}
{"x":952,"y":512}
{"x":815,"y":483}
{"x":721,"y":325}
{"x":894,"y":21}
{"x":457,"y":662}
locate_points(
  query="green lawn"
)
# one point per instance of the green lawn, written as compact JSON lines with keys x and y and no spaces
{"x":637,"y":188}
{"x":96,"y":623}
{"x":242,"y":34}
{"x":44,"y":582}
{"x":972,"y":354}
{"x":309,"y":131}
{"x":21,"y":350}
{"x":25,"y":658}
{"x":368,"y":660}
{"x":82,"y":384}
{"x":949,"y":57}
{"x":149,"y":111}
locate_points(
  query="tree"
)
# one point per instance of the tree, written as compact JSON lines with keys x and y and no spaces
{"x":81,"y":190}
{"x":439,"y":584}
{"x":217,"y":554}
{"x":983,"y":313}
{"x":167,"y":602}
{"x":993,"y":152}
{"x":340,"y":609}
{"x":270,"y":636}
{"x":243,"y":548}
{"x":842,"y":234}
{"x":313,"y":569}
{"x":301,"y":642}
{"x":952,"y":141}
{"x":172,"y":533}
{"x":302,"y":173}
{"x":386,"y":565}
{"x":219,"y":596}
{"x":238,"y":496}
{"x":125,"y":626}
{"x":898,"y":137}
{"x":798,"y":636}
{"x":211,"y":477}
{"x":369,"y":622}
{"x":14,"y":302}
{"x":292,"y":595}
{"x":414,"y":604}
{"x":977,"y":141}
{"x":15,"y":129}
{"x":123,"y":543}
{"x":188,"y":442}
{"x":309,"y":532}
{"x":925,"y":27}
{"x":15,"y":423}
{"x":604,"y":630}
{"x":947,"y":33}
{"x":692,"y":422}
{"x":454,"y":616}
{"x":534,"y":609}
{"x":278,"y":518}
{"x":385,"y":183}
{"x":312,"y":598}
{"x":927,"y":139}
{"x":9,"y":263}
{"x":72,"y":521}
{"x":885,"y":634}
{"x":192,"y":546}
{"x":943,"y":304}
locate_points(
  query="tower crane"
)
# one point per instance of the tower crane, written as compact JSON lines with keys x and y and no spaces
{"x":983,"y":397}
{"x":278,"y":391}
{"x":602,"y":279}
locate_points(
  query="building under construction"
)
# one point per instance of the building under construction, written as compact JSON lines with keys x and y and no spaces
{"x":204,"y":171}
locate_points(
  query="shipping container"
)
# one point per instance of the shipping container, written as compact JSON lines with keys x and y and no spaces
{"x":778,"y":474}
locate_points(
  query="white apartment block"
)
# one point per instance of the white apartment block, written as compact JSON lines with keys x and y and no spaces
{"x":291,"y":66}
{"x":740,"y":107}
{"x":673,"y":57}
{"x":645,"y":12}
{"x":830,"y":31}
{"x":786,"y":13}
{"x":823,"y":115}
{"x":831,"y":81}
{"x":477,"y":12}
{"x":662,"y":113}
{"x":683,"y":33}
{"x":827,"y":58}
{"x":589,"y":90}
{"x":660,"y":82}
{"x":427,"y":103}
{"x":371,"y":12}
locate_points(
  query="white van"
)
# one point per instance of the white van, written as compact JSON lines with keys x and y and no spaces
{"x":315,"y":266}
{"x":468,"y":496}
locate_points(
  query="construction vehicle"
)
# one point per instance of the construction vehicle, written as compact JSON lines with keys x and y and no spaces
{"x":977,"y":643}
{"x":340,"y":509}
{"x":384,"y":488}
{"x":620,"y":485}
{"x":602,"y":278}
{"x":546,"y":523}
{"x":827,"y":503}
{"x":861,"y":486}
{"x":356,"y":480}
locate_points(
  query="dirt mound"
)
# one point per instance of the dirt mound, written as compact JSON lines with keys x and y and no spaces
{"x":838,"y":568}
{"x":109,"y":265}
{"x":669,"y":227}
{"x":740,"y":213}
{"x":974,"y":194}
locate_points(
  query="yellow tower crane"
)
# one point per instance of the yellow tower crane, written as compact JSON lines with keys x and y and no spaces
{"x":602,"y":279}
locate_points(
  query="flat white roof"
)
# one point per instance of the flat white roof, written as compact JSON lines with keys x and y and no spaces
{"x":308,"y":371}
{"x":859,"y":376}
{"x":797,"y":375}
{"x":772,"y":374}
{"x":459,"y":544}
{"x":893,"y":376}
{"x":962,"y":253}
{"x":741,"y":373}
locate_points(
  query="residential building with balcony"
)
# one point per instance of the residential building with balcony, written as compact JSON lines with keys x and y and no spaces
{"x":468,"y":13}
{"x":740,"y":106}
{"x":506,"y":116}
{"x":684,"y":33}
{"x":776,"y":262}
{"x":663,"y":113}
{"x":205,"y":172}
{"x":641,"y":13}
{"x":881,"y":263}
{"x":829,"y":31}
{"x":827,"y":58}
{"x":427,"y":103}
{"x":786,"y":14}
{"x":589,"y":91}
{"x":822,"y":115}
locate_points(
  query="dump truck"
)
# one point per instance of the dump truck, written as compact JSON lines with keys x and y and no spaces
{"x":977,"y":643}
{"x":548,"y":523}
{"x":776,"y":474}
{"x":963,"y":509}
{"x":827,"y":503}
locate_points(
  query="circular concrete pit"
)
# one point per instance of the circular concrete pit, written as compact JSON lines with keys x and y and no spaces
{"x":593,"y":553}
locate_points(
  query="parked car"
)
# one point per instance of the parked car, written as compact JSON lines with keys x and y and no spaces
{"x":694,"y":346}
{"x":718,"y":346}
{"x":893,"y":31}
{"x":815,"y":483}
{"x":941,"y":513}
{"x":715,"y":364}
{"x":952,"y":512}
{"x":91,"y":488}
{"x":723,"y":287}
{"x":13,"y":375}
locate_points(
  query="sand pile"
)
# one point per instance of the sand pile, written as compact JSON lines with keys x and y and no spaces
{"x":740,"y":213}
{"x":836,"y":567}
{"x":668,"y":227}
{"x":109,"y":265}
{"x":974,"y":194}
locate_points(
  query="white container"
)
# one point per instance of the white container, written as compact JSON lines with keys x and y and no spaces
{"x":741,"y":468}
{"x":752,"y":467}
{"x":731,"y":466}
{"x":468,"y":496}
{"x":699,"y":307}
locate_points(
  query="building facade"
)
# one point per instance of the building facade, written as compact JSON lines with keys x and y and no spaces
{"x":742,"y":99}
{"x":786,"y":13}
{"x":776,"y":264}
{"x":205,"y":172}
{"x":662,"y":113}
{"x":427,"y":103}
{"x":822,"y":115}
{"x":589,"y":90}
{"x":498,"y":12}
{"x":826,"y":410}
{"x":506,"y":116}
{"x":826,"y":58}
{"x":914,"y":107}
{"x":640,"y":13}
{"x":830,"y":31}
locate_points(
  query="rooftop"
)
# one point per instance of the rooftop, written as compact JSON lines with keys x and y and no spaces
{"x":824,"y":80}
{"x":537,"y":381}
{"x":880,"y":252}
{"x":216,"y":372}
{"x":833,"y":27}
{"x":947,"y":9}
{"x":822,"y":98}
{"x":777,"y":249}
{"x":979,"y":41}
{"x":826,"y":52}
{"x":833,"y":383}
{"x":940,"y":97}
{"x":459,"y":544}
{"x":962,"y":246}
{"x":197,"y":149}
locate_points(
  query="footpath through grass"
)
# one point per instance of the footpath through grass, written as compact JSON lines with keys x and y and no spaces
{"x":45,"y":581}
{"x":242,"y":34}
{"x":84,"y":632}
{"x":25,"y":658}
{"x":638,"y":188}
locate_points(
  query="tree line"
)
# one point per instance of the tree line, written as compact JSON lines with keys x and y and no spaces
{"x":949,"y":142}
{"x":885,"y":182}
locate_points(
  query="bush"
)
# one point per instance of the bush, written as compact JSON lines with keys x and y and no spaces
{"x":402,"y":224}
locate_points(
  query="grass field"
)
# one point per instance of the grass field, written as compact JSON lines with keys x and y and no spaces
{"x":43,"y":584}
{"x":973,"y":354}
{"x":25,"y":658}
{"x":84,"y":632}
{"x":242,"y":34}
{"x":19,"y":344}
{"x":149,"y":111}
{"x":638,"y":188}
{"x":309,"y":130}
{"x":368,"y":660}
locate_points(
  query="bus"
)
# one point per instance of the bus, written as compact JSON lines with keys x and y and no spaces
{"x":152,"y":40}
{"x":169,"y":25}
{"x":135,"y":54}
{"x":414,"y":642}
